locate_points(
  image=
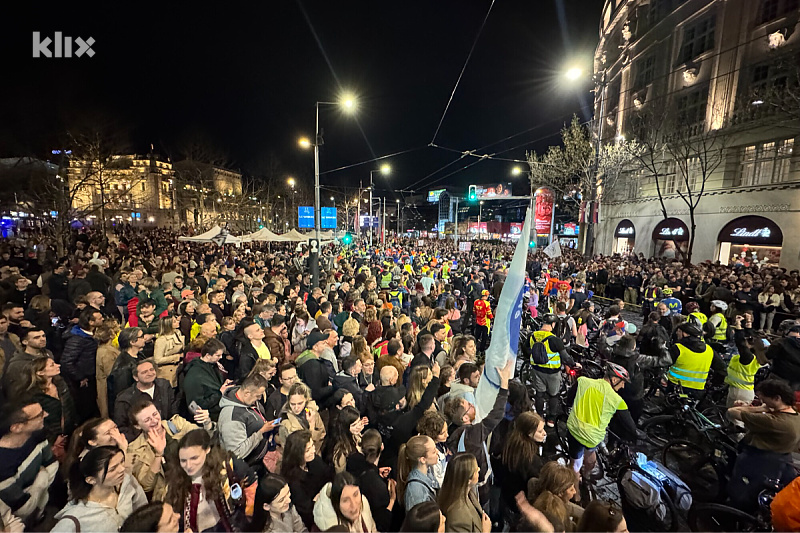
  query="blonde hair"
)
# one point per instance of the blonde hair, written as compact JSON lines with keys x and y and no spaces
{"x":459,"y":472}
{"x":416,"y":385}
{"x":407,"y":460}
{"x":350,"y":327}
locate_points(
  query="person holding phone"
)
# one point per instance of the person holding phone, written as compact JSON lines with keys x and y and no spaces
{"x":743,"y":366}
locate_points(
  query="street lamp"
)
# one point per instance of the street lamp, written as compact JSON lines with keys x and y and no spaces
{"x":347,"y":103}
{"x":601,"y":85}
{"x":398,"y":217}
{"x":480,"y":212}
{"x":385,"y":169}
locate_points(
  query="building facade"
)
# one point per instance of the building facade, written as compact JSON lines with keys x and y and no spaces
{"x":138,"y":189}
{"x":725,"y":67}
{"x":208,"y":195}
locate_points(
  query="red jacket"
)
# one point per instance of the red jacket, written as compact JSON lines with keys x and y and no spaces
{"x":483,"y":312}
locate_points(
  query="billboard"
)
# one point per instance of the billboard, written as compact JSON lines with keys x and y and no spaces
{"x":543,"y":212}
{"x":493,"y":190}
{"x":328,"y":219}
{"x":364,"y":222}
{"x":433,"y":196}
{"x":305,"y":217}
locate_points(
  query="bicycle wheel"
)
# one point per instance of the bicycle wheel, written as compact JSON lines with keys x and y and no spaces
{"x":697,"y":468}
{"x":662,"y":428}
{"x":718,"y":517}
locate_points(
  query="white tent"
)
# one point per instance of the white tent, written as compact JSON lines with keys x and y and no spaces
{"x":216,"y":234}
{"x":294,"y":235}
{"x":264,"y":235}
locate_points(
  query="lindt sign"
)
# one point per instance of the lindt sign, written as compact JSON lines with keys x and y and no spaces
{"x":761,"y":233}
{"x":667,"y":232}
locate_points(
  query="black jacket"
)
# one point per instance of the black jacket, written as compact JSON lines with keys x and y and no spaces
{"x":343,"y":380}
{"x":374,"y":487}
{"x":247,"y":360}
{"x":405,"y":426}
{"x":785,"y":357}
{"x":314,"y":373}
{"x":163,"y":398}
{"x":79,"y":357}
{"x":201,"y":384}
{"x":305,"y":487}
{"x":58,"y":283}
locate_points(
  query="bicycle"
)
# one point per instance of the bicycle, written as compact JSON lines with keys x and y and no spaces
{"x":719,"y":517}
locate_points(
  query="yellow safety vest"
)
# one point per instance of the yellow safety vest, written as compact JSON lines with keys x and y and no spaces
{"x":721,"y":333}
{"x":702,"y":318}
{"x":553,"y":359}
{"x":742,"y":376}
{"x":386,"y":279}
{"x":691,"y":368}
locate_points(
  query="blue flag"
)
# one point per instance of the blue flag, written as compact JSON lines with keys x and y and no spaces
{"x":505,"y":335}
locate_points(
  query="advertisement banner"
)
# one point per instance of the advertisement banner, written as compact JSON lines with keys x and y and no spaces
{"x":493,"y":190}
{"x":473,"y":228}
{"x":305,"y":217}
{"x":516,"y":228}
{"x":543,"y":216}
{"x":464,"y":246}
{"x":433,"y":196}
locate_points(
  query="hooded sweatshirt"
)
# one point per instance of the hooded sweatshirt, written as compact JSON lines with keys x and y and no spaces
{"x":785,"y":357}
{"x":239,"y":428}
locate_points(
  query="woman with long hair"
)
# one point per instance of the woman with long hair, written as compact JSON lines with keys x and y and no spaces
{"x":360,"y":347}
{"x":374,"y":480}
{"x":274,"y":511}
{"x":415,"y":480}
{"x":207,"y":487}
{"x":458,"y":498}
{"x":348,"y":504}
{"x":560,"y":481}
{"x":424,"y":517}
{"x":343,"y":438}
{"x":107,"y":354}
{"x":93,"y":433}
{"x":103,"y":493}
{"x":453,"y":315}
{"x":463,"y":350}
{"x":301,"y":412}
{"x":418,"y":380}
{"x":44,"y":384}
{"x":522,"y":456}
{"x":186,"y":311}
{"x":305,"y":472}
{"x":168,"y":350}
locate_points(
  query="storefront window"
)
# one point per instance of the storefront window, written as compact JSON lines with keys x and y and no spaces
{"x":671,"y":239}
{"x":749,"y":240}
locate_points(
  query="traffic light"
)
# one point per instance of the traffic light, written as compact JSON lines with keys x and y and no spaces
{"x":532,"y":244}
{"x":261,"y":226}
{"x":347,"y":238}
{"x":473,"y":193}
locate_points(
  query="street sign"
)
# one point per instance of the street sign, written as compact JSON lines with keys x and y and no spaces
{"x":364,"y":222}
{"x":329,"y":218}
{"x":305,"y":217}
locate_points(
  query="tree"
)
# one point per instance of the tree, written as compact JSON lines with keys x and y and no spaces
{"x":680,"y":152}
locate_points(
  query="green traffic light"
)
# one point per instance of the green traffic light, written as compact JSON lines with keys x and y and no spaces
{"x":532,"y":244}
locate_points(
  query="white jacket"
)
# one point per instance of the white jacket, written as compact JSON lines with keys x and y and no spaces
{"x":325,"y":516}
{"x":93,"y":516}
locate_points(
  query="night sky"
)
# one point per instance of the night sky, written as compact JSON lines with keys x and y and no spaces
{"x":244,"y":79}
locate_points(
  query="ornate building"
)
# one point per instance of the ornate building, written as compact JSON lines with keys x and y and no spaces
{"x":725,"y":68}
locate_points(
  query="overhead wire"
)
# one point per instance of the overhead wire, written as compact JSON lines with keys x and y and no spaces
{"x":463,"y":69}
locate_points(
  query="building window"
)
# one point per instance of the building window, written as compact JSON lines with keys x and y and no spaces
{"x":645,"y":71}
{"x":143,"y":187}
{"x":772,"y":9}
{"x":667,"y":179}
{"x":698,"y":37}
{"x":766,"y":163}
{"x":691,"y":110}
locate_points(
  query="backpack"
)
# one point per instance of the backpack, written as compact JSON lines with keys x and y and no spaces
{"x":562,"y":330}
{"x":539,"y":353}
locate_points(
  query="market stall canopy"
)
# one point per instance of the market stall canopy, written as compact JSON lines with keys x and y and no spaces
{"x":216,"y":235}
{"x":264,"y":235}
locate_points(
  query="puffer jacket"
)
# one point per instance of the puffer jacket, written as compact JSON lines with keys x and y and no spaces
{"x":79,"y":358}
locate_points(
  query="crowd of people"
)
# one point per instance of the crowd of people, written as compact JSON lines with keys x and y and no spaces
{"x":151,"y":384}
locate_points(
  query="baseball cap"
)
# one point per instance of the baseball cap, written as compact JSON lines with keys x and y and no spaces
{"x":314,"y":337}
{"x":484,"y":292}
{"x":187,"y":293}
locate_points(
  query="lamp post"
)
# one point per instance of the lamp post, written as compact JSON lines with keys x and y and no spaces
{"x":480,"y":212}
{"x":385,"y":169}
{"x":348,"y":104}
{"x":586,"y":228}
{"x":398,"y":218}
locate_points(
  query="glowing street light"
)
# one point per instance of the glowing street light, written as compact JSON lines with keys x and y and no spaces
{"x":291,"y":182}
{"x":348,"y":102}
{"x":304,"y":142}
{"x":574,"y":73}
{"x":516,"y":171}
{"x":385,"y":168}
